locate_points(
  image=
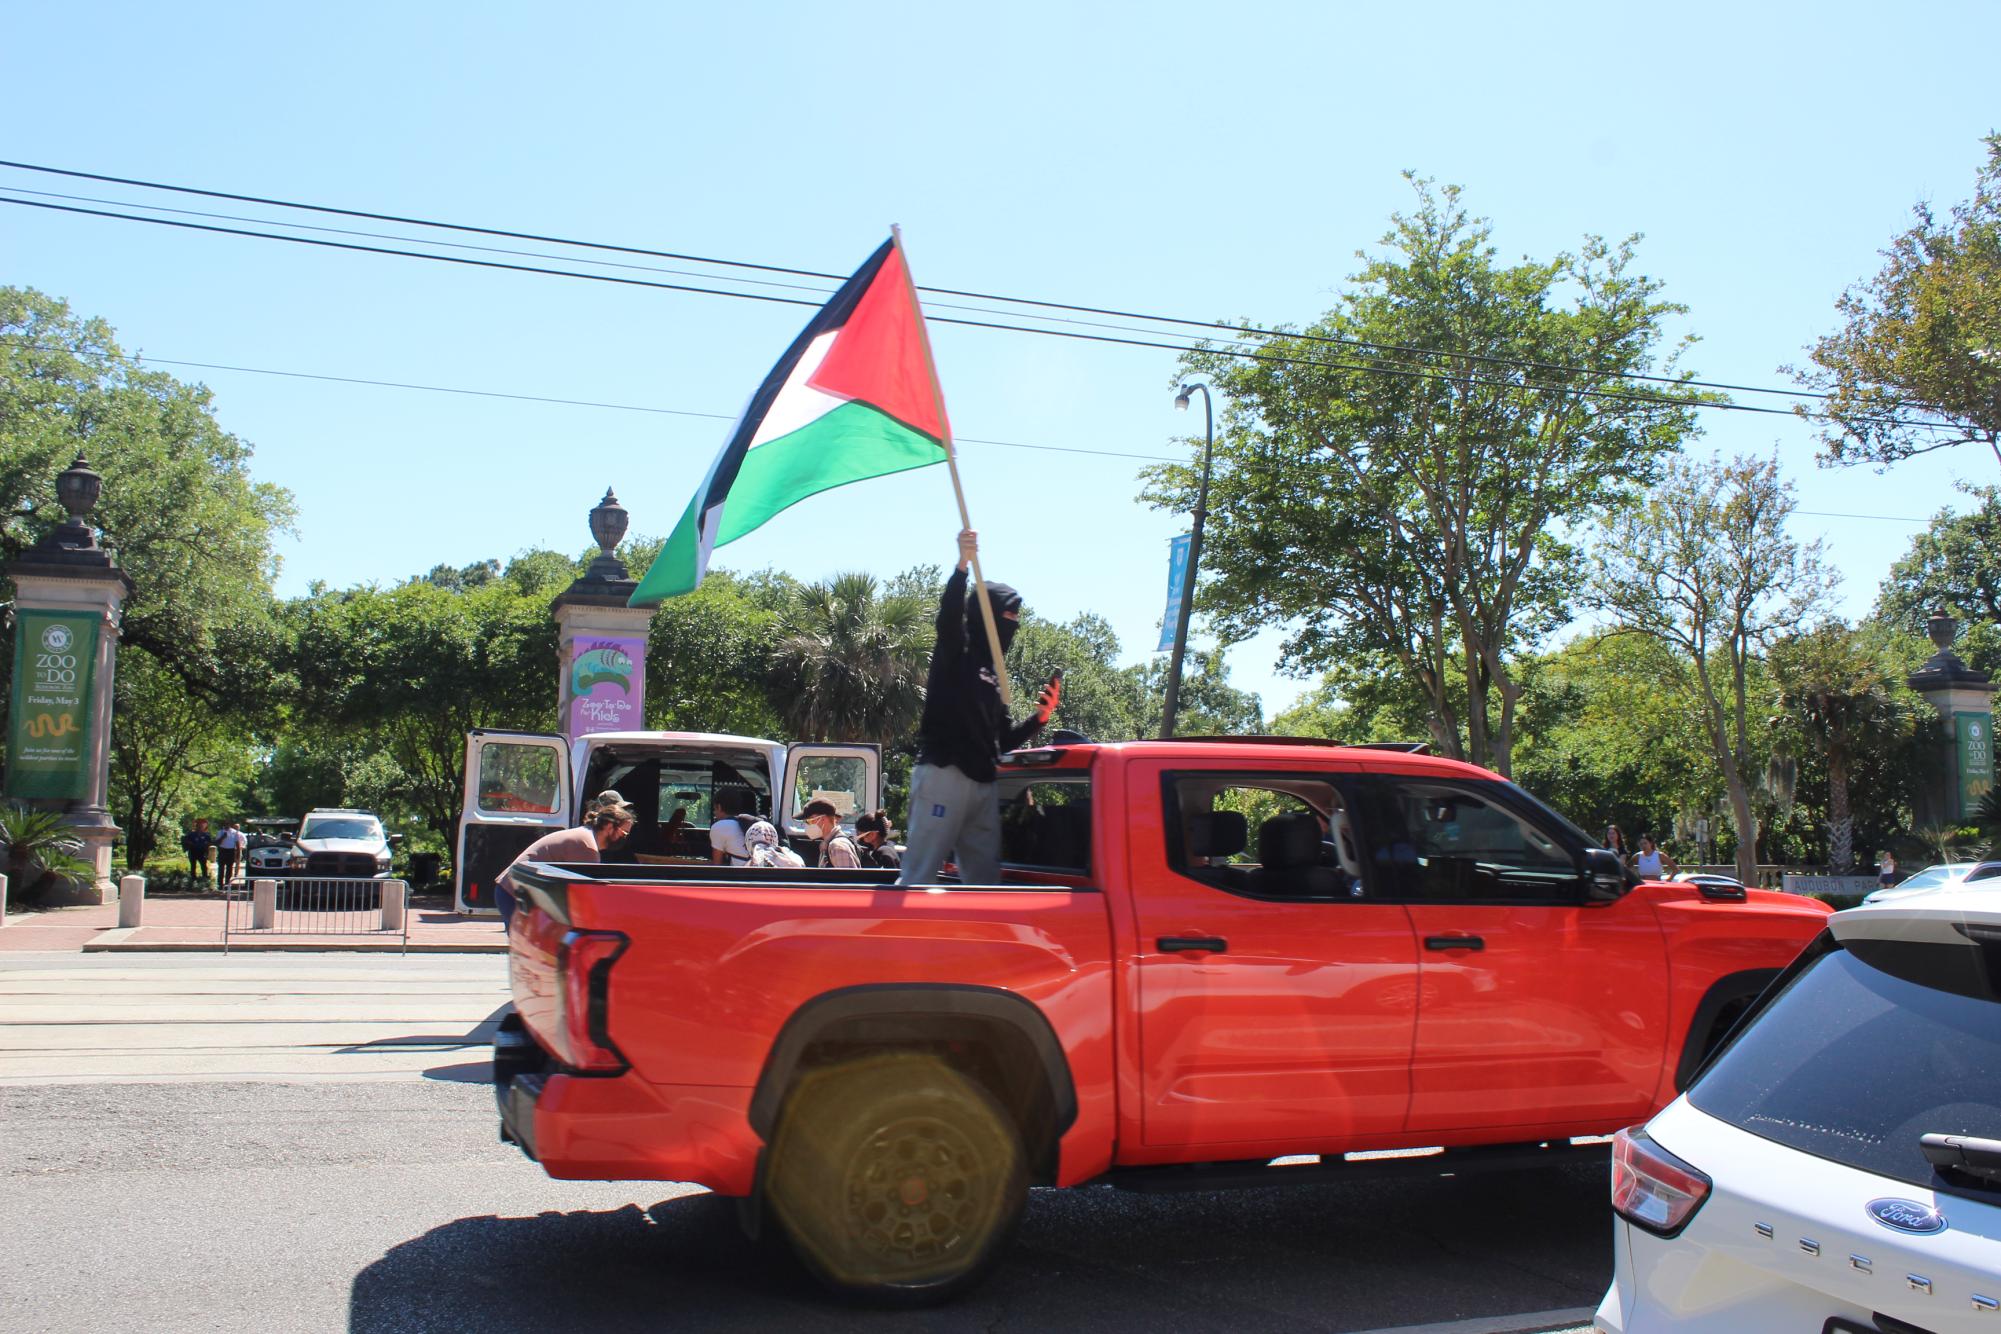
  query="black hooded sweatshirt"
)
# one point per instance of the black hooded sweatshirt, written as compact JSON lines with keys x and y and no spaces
{"x":965,"y":724}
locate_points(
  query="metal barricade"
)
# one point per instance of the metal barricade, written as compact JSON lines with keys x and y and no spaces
{"x":317,"y":906}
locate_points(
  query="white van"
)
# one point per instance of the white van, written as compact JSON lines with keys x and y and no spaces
{"x":522,"y":785}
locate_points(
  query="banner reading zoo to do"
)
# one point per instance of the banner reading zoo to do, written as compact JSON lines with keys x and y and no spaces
{"x":607,"y":684}
{"x":49,"y":728}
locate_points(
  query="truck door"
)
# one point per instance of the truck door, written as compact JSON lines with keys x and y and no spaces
{"x":517,"y":788}
{"x":849,"y":775}
{"x":1535,"y":1007}
{"x":1277,"y":991}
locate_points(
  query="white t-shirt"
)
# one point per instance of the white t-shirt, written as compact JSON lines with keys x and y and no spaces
{"x":1648,"y":864}
{"x":231,"y":839}
{"x":726,"y":837}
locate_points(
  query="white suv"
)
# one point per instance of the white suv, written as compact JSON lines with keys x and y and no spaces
{"x":1836,"y":1166}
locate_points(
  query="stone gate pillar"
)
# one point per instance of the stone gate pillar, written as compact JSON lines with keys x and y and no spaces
{"x":69,"y":597}
{"x":1964,"y":699}
{"x":601,"y":642}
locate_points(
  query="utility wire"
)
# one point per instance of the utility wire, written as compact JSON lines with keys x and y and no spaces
{"x":712,"y":416}
{"x":8,"y":340}
{"x":1234,"y":331}
{"x":1609,"y":395}
{"x":543,"y":254}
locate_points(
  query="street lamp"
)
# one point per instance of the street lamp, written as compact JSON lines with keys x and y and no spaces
{"x":1194,"y":555}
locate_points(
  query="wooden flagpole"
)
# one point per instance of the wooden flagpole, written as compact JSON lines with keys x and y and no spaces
{"x":958,"y":490}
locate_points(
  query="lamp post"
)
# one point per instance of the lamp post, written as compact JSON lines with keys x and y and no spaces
{"x":1194,"y":555}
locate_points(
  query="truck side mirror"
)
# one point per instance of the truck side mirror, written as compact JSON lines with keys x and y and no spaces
{"x":1604,"y":876}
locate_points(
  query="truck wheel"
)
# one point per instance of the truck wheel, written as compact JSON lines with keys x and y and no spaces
{"x":897,"y":1179}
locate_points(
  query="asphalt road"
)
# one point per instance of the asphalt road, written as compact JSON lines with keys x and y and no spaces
{"x":379,"y":1199}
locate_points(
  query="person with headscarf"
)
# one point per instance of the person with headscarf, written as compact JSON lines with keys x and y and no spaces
{"x":765,"y":849}
{"x":954,"y":805}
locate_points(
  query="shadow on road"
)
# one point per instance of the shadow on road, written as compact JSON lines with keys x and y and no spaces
{"x":1323,"y":1258}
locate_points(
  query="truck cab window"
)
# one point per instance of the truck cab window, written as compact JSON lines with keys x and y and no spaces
{"x":1046,"y":822}
{"x":1281,"y":836}
{"x":1450,"y":843}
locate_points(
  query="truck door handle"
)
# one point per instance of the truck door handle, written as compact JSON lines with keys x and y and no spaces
{"x":1192,"y":944}
{"x":1454,"y":943}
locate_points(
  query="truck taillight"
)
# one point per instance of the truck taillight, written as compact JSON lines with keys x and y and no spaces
{"x":1651,"y":1187}
{"x":583,"y":990}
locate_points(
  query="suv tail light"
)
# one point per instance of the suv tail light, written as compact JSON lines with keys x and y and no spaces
{"x":1652,"y":1188}
{"x":583,"y":989}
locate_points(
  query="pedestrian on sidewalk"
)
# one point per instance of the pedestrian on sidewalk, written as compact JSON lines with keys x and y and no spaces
{"x":607,"y":823}
{"x":196,"y":843}
{"x":1650,"y":862}
{"x":228,"y":853}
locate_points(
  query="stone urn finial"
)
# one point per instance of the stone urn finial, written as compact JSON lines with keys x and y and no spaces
{"x":608,"y":521}
{"x":78,"y":487}
{"x":1942,"y":628}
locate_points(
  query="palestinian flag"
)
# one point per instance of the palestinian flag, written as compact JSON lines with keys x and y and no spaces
{"x":852,"y":398}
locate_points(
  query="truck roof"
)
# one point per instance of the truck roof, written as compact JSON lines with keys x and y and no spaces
{"x":709,"y":738}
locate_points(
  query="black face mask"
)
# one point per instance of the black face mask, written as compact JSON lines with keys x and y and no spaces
{"x":1004,"y":600}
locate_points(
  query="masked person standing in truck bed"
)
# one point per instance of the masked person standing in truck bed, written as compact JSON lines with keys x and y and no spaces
{"x":954,"y":806}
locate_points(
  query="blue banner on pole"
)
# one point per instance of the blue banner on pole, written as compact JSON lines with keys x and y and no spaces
{"x":1177,"y":579}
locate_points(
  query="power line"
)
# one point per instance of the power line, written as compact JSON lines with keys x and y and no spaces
{"x":712,"y":416}
{"x":540,"y":398}
{"x":538,"y":254}
{"x":1237,"y":332}
{"x":1405,"y":372}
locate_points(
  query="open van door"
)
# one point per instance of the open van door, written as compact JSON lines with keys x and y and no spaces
{"x":849,"y":775}
{"x":517,"y":788}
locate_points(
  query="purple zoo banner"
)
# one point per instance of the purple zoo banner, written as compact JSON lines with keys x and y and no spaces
{"x":607,"y":684}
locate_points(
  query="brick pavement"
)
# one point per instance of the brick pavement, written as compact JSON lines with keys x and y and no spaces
{"x":189,"y":922}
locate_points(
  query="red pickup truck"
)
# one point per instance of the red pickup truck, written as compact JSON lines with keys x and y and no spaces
{"x":1204,"y":955}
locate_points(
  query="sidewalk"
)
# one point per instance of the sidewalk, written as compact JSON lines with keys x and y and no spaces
{"x":185,"y":923}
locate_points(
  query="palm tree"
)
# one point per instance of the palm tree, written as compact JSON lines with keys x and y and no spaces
{"x":40,"y":849}
{"x":1840,"y":690}
{"x":849,"y":661}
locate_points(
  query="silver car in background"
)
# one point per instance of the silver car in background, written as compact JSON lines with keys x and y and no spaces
{"x":1946,"y":875}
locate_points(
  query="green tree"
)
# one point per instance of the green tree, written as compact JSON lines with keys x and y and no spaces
{"x":1916,"y":365}
{"x":1209,"y":705}
{"x":1704,"y":568}
{"x":1361,"y":699}
{"x":1609,"y":737}
{"x":1842,"y":693}
{"x":1100,"y":699}
{"x":1954,"y":566}
{"x":172,"y":754}
{"x":189,"y":523}
{"x":410,"y":670}
{"x":1415,"y":506}
{"x":848,"y":664}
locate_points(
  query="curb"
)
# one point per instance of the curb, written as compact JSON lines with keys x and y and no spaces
{"x":102,"y":946}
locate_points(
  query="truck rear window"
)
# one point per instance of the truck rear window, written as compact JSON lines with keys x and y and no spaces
{"x":1867,"y":1049}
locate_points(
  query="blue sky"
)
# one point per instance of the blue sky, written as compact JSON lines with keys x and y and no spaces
{"x":1166,"y":158}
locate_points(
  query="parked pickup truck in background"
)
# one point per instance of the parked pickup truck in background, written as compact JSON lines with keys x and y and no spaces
{"x":1204,"y":956}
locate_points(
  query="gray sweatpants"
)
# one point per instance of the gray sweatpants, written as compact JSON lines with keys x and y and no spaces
{"x":951,"y":816}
